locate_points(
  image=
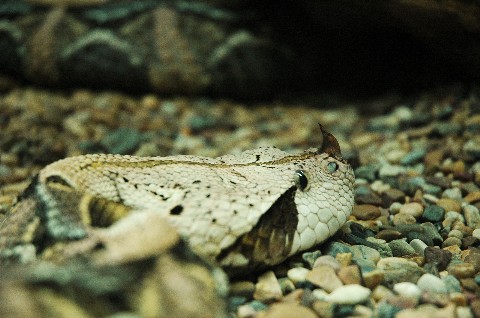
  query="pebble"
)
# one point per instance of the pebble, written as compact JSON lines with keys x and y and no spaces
{"x":349,"y":295}
{"x":464,"y":312}
{"x":367,"y":172}
{"x":403,"y":219}
{"x":388,"y":170}
{"x":476,"y":233}
{"x":401,"y":248}
{"x":311,"y":257}
{"x":242,"y":289}
{"x":288,"y":310}
{"x":438,"y":257}
{"x":122,"y":141}
{"x":462,"y":270}
{"x":433,"y":213}
{"x":431,"y":283}
{"x":397,"y":270}
{"x":267,"y":288}
{"x":388,"y":235}
{"x":298,"y":274}
{"x":419,"y":246}
{"x":328,"y":260}
{"x":324,"y":309}
{"x":472,"y":197}
{"x":472,"y":216}
{"x":474,"y":259}
{"x":455,"y":233}
{"x":365,"y":252}
{"x":344,"y":259}
{"x":324,"y":277}
{"x":425,"y":232}
{"x":336,"y":247}
{"x":373,"y":278}
{"x":427,"y":310}
{"x":393,"y":195}
{"x":365,"y":211}
{"x":350,"y":275}
{"x":453,"y":193}
{"x":450,"y":241}
{"x":395,"y":207}
{"x":414,"y":209}
{"x":407,"y":289}
{"x":449,"y":205}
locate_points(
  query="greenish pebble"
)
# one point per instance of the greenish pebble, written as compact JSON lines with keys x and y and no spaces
{"x":452,"y":193}
{"x":447,"y":128}
{"x":452,"y":283}
{"x":344,"y":310}
{"x":433,"y":213}
{"x":381,"y":246}
{"x":311,"y":257}
{"x":477,"y":279}
{"x":258,"y":305}
{"x":401,"y":247}
{"x":366,"y":266}
{"x":235,"y":301}
{"x":286,"y":285}
{"x":336,"y":247}
{"x":122,"y":141}
{"x":386,"y":310}
{"x":413,"y":157}
{"x":367,"y":172}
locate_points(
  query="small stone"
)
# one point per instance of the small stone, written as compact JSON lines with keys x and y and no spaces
{"x":298,"y":274}
{"x":462,"y":270}
{"x":427,"y":310}
{"x":267,"y":288}
{"x":463,"y":311}
{"x":393,"y":195}
{"x":388,"y":170}
{"x":288,"y":310}
{"x":469,"y":241}
{"x":246,"y":311}
{"x":476,"y":233}
{"x":344,"y":259}
{"x":475,"y":306}
{"x":324,"y":309}
{"x":311,"y":257}
{"x":419,"y":246}
{"x":449,"y":205}
{"x":472,"y":216}
{"x":398,"y":270}
{"x":474,"y":259}
{"x":472,"y":148}
{"x":367,"y":172}
{"x":425,"y":232}
{"x":433,"y":213}
{"x":431,"y":283}
{"x":365,"y":211}
{"x":336,"y":247}
{"x":450,"y":241}
{"x":455,"y":233}
{"x":242,"y":289}
{"x":438,"y":257}
{"x":365,"y":252}
{"x":387,"y":310}
{"x":407,"y":289}
{"x":401,"y":248}
{"x":327,"y":260}
{"x":388,"y":235}
{"x":395,"y":207}
{"x":122,"y":141}
{"x":324,"y":277}
{"x":453,"y":193}
{"x":472,"y":197}
{"x":373,"y":278}
{"x":383,"y":293}
{"x":413,"y":157}
{"x":414,"y":209}
{"x":350,"y":275}
{"x":403,"y":218}
{"x":349,"y":295}
{"x":287,"y":286}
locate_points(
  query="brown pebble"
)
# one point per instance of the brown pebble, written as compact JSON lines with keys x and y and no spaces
{"x":366,"y":211}
{"x":324,"y":277}
{"x":469,"y":284}
{"x":475,"y":307}
{"x":461,"y":270}
{"x":439,"y":258}
{"x":474,"y":259}
{"x":288,"y":310}
{"x":458,"y":299}
{"x":469,"y":241}
{"x":449,"y":205}
{"x":433,"y":158}
{"x":389,"y":235}
{"x":403,"y":218}
{"x":242,"y":288}
{"x":454,"y":249}
{"x":381,"y":292}
{"x":350,"y":275}
{"x":427,"y":310}
{"x":414,"y":209}
{"x":393,"y":195}
{"x":472,"y":197}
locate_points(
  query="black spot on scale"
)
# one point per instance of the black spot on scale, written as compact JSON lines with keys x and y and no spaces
{"x":232,"y":182}
{"x":196,"y":182}
{"x":257,"y":157}
{"x":176,"y":210}
{"x":207,"y":196}
{"x":214,"y":220}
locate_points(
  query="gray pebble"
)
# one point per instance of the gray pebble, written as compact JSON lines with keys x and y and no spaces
{"x":311,"y":257}
{"x":365,"y":252}
{"x":401,"y":247}
{"x":472,"y":216}
{"x":336,"y":247}
{"x":413,"y":157}
{"x":453,"y":193}
{"x":452,"y":283}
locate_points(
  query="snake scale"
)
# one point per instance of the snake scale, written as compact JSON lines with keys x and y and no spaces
{"x":241,"y":211}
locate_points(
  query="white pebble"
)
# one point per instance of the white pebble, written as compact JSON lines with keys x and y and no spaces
{"x":453,"y":193}
{"x":432,"y":283}
{"x":349,"y":295}
{"x":395,"y":207}
{"x":476,"y":233}
{"x":407,"y":289}
{"x":297,"y":274}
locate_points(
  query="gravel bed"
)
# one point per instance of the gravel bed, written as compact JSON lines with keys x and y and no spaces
{"x":411,"y":246}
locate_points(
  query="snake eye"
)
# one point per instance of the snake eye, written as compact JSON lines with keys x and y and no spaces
{"x":332,"y":167}
{"x":301,"y":180}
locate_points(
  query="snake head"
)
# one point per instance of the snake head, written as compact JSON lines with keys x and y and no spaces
{"x":329,"y":144}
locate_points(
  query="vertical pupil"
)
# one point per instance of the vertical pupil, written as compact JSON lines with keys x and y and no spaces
{"x":302,"y":180}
